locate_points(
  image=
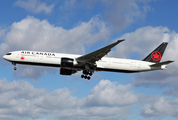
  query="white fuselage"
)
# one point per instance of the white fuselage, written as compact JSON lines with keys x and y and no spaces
{"x":54,"y":60}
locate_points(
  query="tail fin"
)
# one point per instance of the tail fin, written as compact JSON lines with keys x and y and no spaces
{"x":157,"y":54}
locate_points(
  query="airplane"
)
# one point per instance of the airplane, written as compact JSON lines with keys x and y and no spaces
{"x":89,"y":63}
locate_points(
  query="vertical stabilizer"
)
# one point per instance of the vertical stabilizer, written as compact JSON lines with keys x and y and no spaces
{"x":157,"y":54}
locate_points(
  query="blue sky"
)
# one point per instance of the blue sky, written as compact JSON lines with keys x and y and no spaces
{"x":80,"y":27}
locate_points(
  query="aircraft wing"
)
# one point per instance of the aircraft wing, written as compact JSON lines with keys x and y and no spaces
{"x":98,"y":54}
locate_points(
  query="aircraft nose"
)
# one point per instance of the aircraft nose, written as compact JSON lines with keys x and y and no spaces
{"x":4,"y":57}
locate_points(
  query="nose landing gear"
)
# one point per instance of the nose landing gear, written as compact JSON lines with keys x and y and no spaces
{"x":15,"y":68}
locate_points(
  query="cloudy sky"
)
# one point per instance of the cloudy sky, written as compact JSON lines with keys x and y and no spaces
{"x":80,"y":27}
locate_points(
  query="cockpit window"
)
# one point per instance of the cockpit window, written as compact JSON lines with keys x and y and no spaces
{"x":8,"y":53}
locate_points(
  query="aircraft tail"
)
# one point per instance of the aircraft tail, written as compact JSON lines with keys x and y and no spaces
{"x":157,"y":54}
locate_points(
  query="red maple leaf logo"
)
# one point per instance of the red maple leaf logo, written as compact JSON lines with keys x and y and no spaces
{"x":22,"y":58}
{"x":156,"y":56}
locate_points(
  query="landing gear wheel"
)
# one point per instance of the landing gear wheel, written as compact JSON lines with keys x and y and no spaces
{"x":85,"y":77}
{"x":15,"y":68}
{"x":87,"y":74}
{"x":90,"y":73}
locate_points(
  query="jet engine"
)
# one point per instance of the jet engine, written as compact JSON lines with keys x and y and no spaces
{"x":66,"y":65}
{"x":67,"y":62}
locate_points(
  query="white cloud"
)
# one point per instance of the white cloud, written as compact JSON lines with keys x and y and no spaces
{"x":33,"y":34}
{"x":35,"y":6}
{"x":163,"y":106}
{"x":20,"y":100}
{"x":105,"y":93}
{"x":142,"y":41}
{"x":2,"y":32}
{"x":107,"y":100}
{"x":16,"y":100}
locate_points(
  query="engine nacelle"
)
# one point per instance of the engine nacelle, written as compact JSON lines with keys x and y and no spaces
{"x":67,"y":62}
{"x":64,"y":71}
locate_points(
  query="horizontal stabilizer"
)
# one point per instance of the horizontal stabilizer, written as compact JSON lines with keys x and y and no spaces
{"x":161,"y":63}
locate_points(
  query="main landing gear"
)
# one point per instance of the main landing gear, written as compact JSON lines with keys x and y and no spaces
{"x":86,"y":74}
{"x":15,"y":68}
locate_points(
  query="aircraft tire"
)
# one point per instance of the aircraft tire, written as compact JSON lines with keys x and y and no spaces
{"x":85,"y":77}
{"x":90,"y":73}
{"x":15,"y":68}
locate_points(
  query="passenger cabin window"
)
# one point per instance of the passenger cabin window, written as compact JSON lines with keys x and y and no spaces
{"x":8,"y":53}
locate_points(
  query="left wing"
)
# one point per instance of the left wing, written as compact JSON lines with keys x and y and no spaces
{"x":91,"y":58}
